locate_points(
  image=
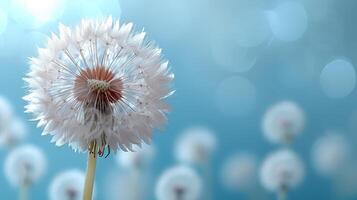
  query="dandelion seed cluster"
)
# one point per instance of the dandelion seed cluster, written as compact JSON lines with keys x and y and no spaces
{"x":196,"y":145}
{"x":179,"y":182}
{"x":282,"y":170}
{"x":283,"y":122}
{"x":67,"y":185}
{"x":25,"y":165}
{"x":99,"y":82}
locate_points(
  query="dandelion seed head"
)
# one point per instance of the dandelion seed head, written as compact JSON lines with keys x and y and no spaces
{"x":330,"y":153}
{"x":196,"y":145}
{"x":281,"y":171}
{"x":239,"y":172}
{"x":67,"y":185}
{"x":99,"y":82}
{"x":283,"y":122}
{"x":179,"y":182}
{"x":25,"y":165}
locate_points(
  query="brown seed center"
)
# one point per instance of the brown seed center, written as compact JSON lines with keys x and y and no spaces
{"x":98,"y":87}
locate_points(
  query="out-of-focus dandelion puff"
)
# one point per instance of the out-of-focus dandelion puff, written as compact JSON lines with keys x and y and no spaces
{"x":281,"y":171}
{"x":196,"y":145}
{"x":99,"y":83}
{"x":283,"y":122}
{"x":138,"y":159}
{"x":25,"y":165}
{"x":13,"y":134}
{"x":330,"y":153}
{"x":240,"y":171}
{"x":67,"y":185}
{"x":6,"y":112}
{"x":180,"y":182}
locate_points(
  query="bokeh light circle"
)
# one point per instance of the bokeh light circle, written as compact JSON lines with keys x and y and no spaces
{"x":35,"y":13}
{"x":338,"y":78}
{"x":229,"y":55}
{"x":288,"y":21}
{"x":236,"y":96}
{"x":251,"y":27}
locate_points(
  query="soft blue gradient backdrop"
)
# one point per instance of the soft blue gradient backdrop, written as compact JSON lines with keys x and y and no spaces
{"x":184,"y":29}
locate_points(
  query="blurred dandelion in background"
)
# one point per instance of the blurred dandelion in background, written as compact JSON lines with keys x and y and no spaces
{"x":14,"y":134}
{"x":67,"y":185}
{"x":331,"y":153}
{"x":283,"y":122}
{"x":24,"y":166}
{"x":6,"y":113}
{"x":281,"y":172}
{"x":240,"y":173}
{"x":179,"y":183}
{"x":136,"y":165}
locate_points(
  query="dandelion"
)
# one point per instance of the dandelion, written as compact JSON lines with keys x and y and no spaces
{"x":330,"y":153}
{"x":99,"y":87}
{"x":13,"y":134}
{"x":196,"y":146}
{"x":283,"y":122}
{"x":24,"y":166}
{"x":67,"y":185}
{"x":239,"y":172}
{"x":139,"y":159}
{"x":137,"y":163}
{"x":6,"y":113}
{"x":281,"y":171}
{"x":179,"y":183}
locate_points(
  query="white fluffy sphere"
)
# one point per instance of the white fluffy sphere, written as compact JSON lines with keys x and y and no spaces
{"x":281,"y":171}
{"x":283,"y":122}
{"x":196,"y":145}
{"x":13,"y":134}
{"x":99,"y":82}
{"x":25,"y":165}
{"x":6,"y":112}
{"x":180,"y":182}
{"x":139,"y":158}
{"x":240,"y":172}
{"x":330,"y":153}
{"x":67,"y":185}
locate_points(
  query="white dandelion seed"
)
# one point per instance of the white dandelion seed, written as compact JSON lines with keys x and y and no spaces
{"x":138,"y":159}
{"x":239,"y":172}
{"x":179,"y":183}
{"x":283,"y":122}
{"x":281,"y":171}
{"x":99,"y":86}
{"x":6,"y":112}
{"x":196,"y":145}
{"x":67,"y":185}
{"x":24,"y":166}
{"x":13,"y":134}
{"x":330,"y":153}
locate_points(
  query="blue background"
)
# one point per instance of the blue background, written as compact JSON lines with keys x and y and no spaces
{"x":184,"y":29}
